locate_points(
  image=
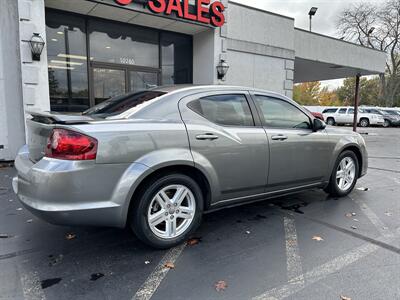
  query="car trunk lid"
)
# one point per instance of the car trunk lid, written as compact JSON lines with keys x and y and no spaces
{"x":40,"y":126}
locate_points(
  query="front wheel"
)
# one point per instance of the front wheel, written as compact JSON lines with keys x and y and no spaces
{"x":364,"y":122}
{"x":168,"y":210}
{"x":330,"y":121}
{"x":344,"y":175}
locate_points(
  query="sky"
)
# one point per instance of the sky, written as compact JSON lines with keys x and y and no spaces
{"x":323,"y":22}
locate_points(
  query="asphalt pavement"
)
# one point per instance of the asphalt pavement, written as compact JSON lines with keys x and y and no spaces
{"x":304,"y":246}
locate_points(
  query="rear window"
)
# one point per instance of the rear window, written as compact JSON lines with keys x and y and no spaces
{"x":329,"y":110}
{"x":117,"y":105}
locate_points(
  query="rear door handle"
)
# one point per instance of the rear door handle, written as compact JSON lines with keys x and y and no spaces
{"x":279,"y":137}
{"x":206,"y":136}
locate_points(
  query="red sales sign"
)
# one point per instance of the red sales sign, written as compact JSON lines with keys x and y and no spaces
{"x":214,"y":17}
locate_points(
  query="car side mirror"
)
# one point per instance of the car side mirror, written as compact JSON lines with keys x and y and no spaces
{"x":318,"y":125}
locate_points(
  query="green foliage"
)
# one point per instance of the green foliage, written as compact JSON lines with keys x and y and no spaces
{"x":369,"y":91}
{"x":311,"y":93}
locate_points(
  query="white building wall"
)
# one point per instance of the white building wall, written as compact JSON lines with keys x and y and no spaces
{"x":258,"y":54}
{"x":12,"y":135}
{"x":35,"y":84}
{"x":261,"y":27}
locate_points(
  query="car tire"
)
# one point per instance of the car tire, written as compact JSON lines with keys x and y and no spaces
{"x":330,"y":121}
{"x":340,"y":186}
{"x":386,"y":123}
{"x":148,"y":207}
{"x":364,"y":122}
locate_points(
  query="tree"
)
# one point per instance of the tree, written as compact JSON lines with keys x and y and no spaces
{"x":377,"y":26}
{"x":369,"y":91}
{"x":311,"y":93}
{"x":307,"y":93}
{"x":328,"y":98}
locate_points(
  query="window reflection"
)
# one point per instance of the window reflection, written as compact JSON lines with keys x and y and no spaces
{"x":177,"y":57}
{"x":123,"y":44}
{"x":67,"y":62}
{"x":140,"y":81}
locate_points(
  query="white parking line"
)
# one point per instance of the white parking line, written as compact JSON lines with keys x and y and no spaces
{"x":323,"y":271}
{"x":334,"y":265}
{"x":152,"y":282}
{"x":31,"y":286}
{"x":293,"y":260}
{"x":294,"y":267}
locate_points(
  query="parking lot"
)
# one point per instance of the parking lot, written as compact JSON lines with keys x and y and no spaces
{"x":304,"y":246}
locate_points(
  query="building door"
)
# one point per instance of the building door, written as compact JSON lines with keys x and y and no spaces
{"x":110,"y":81}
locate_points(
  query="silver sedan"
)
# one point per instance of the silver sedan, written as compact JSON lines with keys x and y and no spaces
{"x":156,"y":160}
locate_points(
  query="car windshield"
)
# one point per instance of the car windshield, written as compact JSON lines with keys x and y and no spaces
{"x":119,"y":104}
{"x":382,"y":112}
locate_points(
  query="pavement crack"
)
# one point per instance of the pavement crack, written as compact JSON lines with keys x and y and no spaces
{"x":357,"y":235}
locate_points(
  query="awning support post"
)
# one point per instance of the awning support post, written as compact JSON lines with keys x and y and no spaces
{"x":356,"y":102}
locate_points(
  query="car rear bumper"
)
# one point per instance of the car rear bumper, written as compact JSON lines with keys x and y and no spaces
{"x":72,"y":192}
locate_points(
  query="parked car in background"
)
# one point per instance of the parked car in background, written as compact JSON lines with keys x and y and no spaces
{"x":345,"y":115}
{"x":316,"y":114}
{"x":391,"y":117}
{"x":156,"y":160}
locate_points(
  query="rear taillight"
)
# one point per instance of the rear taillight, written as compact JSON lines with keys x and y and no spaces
{"x":70,"y":145}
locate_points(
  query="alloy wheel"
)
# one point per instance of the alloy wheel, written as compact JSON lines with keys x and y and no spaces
{"x":346,"y":173}
{"x":364,"y":123}
{"x":171,"y":211}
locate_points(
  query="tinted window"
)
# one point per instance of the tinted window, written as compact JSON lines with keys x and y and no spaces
{"x":329,"y":110}
{"x":67,"y":62}
{"x":230,"y":110}
{"x":176,"y":58}
{"x":342,"y":110}
{"x":351,"y":111}
{"x":120,"y":104}
{"x":281,"y":114}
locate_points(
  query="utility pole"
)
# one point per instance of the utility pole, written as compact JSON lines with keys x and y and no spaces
{"x":356,"y":102}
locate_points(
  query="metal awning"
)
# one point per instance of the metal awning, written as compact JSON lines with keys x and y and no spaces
{"x":320,"y":57}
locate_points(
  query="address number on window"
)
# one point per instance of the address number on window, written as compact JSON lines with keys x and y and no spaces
{"x":127,"y":61}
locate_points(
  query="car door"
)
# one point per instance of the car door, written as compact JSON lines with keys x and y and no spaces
{"x":226,"y":143}
{"x":298,"y":155}
{"x":341,"y":116}
{"x":349,"y":116}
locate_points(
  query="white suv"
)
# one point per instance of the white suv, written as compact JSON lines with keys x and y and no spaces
{"x":345,"y":115}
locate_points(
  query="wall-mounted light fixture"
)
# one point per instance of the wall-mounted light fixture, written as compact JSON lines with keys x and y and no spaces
{"x":222,"y":69}
{"x":37,"y":45}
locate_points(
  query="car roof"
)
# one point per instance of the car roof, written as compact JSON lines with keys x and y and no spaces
{"x":217,"y":87}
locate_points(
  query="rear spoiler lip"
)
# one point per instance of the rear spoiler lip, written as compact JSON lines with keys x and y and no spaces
{"x":62,"y":119}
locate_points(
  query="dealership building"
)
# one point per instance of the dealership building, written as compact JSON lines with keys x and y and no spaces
{"x":96,"y":49}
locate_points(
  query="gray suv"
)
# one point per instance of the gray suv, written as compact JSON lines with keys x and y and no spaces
{"x":156,"y":160}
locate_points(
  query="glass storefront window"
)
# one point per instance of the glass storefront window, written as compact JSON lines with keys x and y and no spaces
{"x":177,"y":56}
{"x":108,"y":83}
{"x":67,"y":62}
{"x":140,"y":81}
{"x":115,"y":58}
{"x":123,"y":44}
